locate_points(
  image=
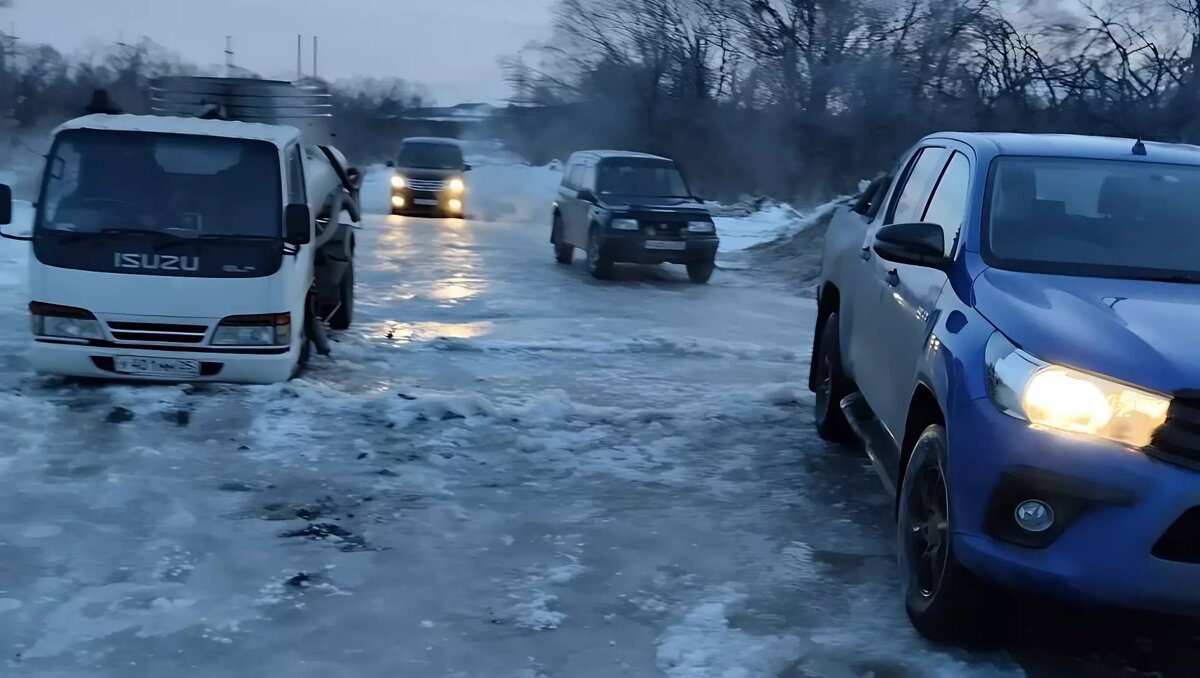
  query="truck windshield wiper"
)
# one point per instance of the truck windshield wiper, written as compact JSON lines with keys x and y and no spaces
{"x":210,"y":237}
{"x":1191,"y":278}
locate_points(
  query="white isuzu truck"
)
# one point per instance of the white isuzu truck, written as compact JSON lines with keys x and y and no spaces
{"x":212,"y":241}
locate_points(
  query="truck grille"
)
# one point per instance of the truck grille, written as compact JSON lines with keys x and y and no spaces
{"x":1181,"y":542}
{"x":433,"y":185}
{"x":1178,"y":440}
{"x":157,"y":332}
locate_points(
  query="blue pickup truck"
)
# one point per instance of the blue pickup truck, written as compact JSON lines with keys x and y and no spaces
{"x":1011,"y":325}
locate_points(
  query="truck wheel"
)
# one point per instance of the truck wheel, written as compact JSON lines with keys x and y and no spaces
{"x":599,"y":266}
{"x":699,"y":272}
{"x":832,"y":386}
{"x":563,"y":253}
{"x":944,"y":601}
{"x":345,"y":314}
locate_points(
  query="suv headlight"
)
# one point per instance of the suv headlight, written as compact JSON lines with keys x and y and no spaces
{"x":268,"y":329}
{"x":624,"y":224}
{"x":1063,"y":399}
{"x":65,"y":322}
{"x":398,"y":181}
{"x":701,"y":227}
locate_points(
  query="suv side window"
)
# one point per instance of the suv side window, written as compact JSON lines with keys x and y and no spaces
{"x":297,"y":193}
{"x":948,"y":207}
{"x":588,"y":181}
{"x":576,"y":176}
{"x":914,"y":195}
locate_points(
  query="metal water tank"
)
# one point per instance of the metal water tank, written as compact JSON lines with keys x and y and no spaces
{"x":307,"y":106}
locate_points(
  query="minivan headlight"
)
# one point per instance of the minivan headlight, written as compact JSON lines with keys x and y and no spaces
{"x":1060,"y":398}
{"x":398,"y":181}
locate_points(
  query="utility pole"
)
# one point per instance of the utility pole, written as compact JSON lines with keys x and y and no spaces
{"x":299,"y":56}
{"x":228,"y":56}
{"x":314,"y":70}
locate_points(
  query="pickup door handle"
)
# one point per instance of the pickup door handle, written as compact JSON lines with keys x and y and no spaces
{"x":865,"y":253}
{"x":892,"y":278}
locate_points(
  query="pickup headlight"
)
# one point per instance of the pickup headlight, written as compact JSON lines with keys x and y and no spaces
{"x":624,"y":224}
{"x":701,"y":227}
{"x":268,"y":329}
{"x":398,"y":181}
{"x":1063,"y":399}
{"x":64,"y":322}
{"x":456,"y":185}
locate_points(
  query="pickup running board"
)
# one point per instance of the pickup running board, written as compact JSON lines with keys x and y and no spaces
{"x":875,"y":438}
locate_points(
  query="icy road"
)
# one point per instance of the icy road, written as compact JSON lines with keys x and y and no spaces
{"x":506,"y":470}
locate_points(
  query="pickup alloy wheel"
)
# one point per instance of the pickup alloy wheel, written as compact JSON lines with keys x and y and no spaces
{"x":832,"y":386}
{"x":944,"y":601}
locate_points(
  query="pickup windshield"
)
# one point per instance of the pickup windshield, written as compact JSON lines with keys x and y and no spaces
{"x":178,"y":185}
{"x":643,"y":179}
{"x":431,"y":155}
{"x":1100,"y":218}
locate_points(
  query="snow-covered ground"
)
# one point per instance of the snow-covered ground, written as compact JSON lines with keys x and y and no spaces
{"x":507,"y":469}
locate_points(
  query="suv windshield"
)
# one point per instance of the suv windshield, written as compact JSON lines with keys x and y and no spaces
{"x":427,"y":155}
{"x":1103,"y":218}
{"x":652,"y":179}
{"x":180,"y":185}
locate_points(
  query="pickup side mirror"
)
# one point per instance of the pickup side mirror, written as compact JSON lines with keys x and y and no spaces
{"x":6,"y":205}
{"x":586,"y":195}
{"x":297,"y":220}
{"x":918,"y":244}
{"x":466,"y":167}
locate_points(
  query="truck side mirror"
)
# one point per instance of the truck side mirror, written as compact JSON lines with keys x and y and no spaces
{"x":297,"y":220}
{"x":6,"y":205}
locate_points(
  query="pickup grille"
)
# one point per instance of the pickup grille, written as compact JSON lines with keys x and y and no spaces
{"x":157,"y":332}
{"x":1181,"y":542}
{"x":1178,"y":440}
{"x":433,"y":185}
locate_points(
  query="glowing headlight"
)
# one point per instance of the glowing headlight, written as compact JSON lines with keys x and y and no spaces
{"x":398,"y":181}
{"x":624,"y":224}
{"x":701,"y":227}
{"x":1064,"y":399}
{"x":456,"y":185}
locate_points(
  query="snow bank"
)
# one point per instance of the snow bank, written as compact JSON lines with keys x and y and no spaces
{"x":773,"y":222}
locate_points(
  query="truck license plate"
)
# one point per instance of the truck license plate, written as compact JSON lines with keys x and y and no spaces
{"x":665,"y":245}
{"x":163,"y":367}
{"x":425,"y":201}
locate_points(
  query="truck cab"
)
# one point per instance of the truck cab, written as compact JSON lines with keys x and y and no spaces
{"x":182,"y":249}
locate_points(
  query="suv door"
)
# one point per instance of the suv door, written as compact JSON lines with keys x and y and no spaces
{"x":873,"y":350}
{"x":566,"y":201}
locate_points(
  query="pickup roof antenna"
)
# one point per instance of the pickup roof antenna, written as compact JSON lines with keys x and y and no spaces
{"x":1139,"y":148}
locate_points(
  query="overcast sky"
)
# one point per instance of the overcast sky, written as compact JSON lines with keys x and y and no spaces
{"x":450,"y":46}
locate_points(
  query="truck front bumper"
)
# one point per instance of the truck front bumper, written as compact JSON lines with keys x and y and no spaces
{"x":244,"y":366}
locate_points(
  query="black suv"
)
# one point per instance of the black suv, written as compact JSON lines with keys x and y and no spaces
{"x":429,"y":177}
{"x":623,"y":207}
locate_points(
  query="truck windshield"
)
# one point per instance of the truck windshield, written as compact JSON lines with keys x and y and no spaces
{"x":641,"y":179}
{"x":431,"y":155}
{"x":1102,"y":218}
{"x":179,"y":185}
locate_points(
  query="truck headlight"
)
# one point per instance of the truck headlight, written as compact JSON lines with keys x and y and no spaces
{"x":268,"y":329}
{"x":65,"y":322}
{"x":701,"y":227}
{"x":1063,"y":399}
{"x":624,"y":224}
{"x":456,"y":185}
{"x":399,"y":181}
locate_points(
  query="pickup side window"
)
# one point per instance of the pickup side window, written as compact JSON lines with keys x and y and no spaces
{"x":871,"y":200}
{"x":297,"y":192}
{"x":948,"y":206}
{"x":913,"y":196}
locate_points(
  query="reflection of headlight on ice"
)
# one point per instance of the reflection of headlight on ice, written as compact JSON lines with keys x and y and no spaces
{"x":1069,"y":400}
{"x":398,"y":181}
{"x":456,"y":185}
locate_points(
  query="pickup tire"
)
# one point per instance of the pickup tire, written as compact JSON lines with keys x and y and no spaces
{"x":598,"y":265}
{"x":564,"y":253}
{"x":944,"y":600}
{"x":831,"y":385}
{"x":344,"y":317}
{"x":699,"y":272}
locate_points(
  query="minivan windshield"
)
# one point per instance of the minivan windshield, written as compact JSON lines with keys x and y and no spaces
{"x":173,"y":184}
{"x":430,"y":155}
{"x":1102,"y":218}
{"x":643,"y":179}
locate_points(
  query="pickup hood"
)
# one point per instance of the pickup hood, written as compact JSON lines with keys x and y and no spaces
{"x":155,"y":295}
{"x":685,"y":207}
{"x":1141,"y":332}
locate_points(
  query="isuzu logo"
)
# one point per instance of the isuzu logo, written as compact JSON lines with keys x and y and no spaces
{"x":156,"y":262}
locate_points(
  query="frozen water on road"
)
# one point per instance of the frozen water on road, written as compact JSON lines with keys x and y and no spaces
{"x":506,"y":469}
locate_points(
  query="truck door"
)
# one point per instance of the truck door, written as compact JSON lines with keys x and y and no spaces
{"x":874,"y":344}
